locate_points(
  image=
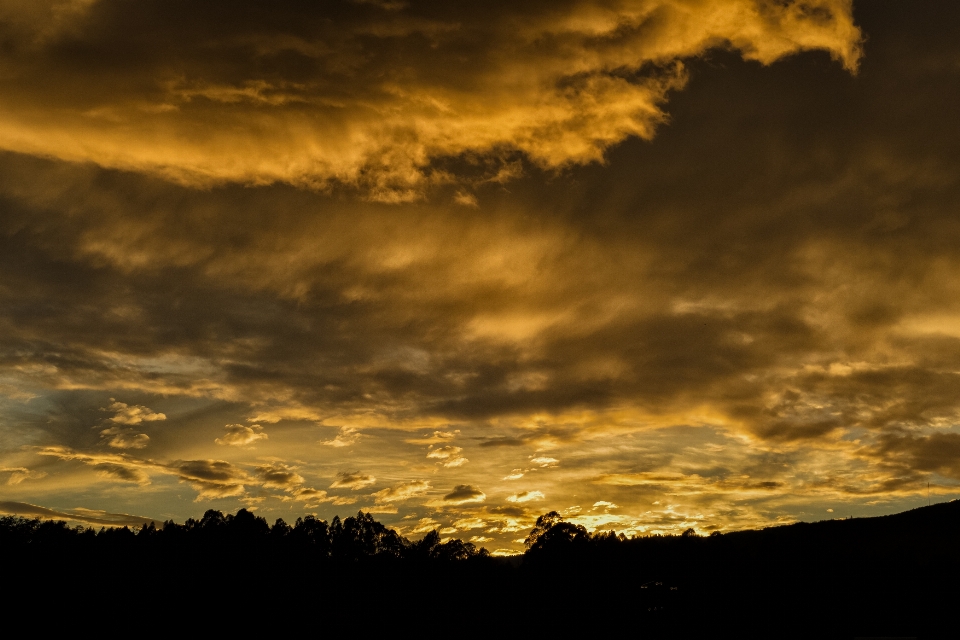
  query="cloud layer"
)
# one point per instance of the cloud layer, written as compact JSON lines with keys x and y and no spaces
{"x":747,"y":318}
{"x":365,"y":95}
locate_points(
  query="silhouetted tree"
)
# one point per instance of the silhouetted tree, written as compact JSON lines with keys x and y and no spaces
{"x":563,"y":538}
{"x":542,"y":525}
{"x":454,"y":550}
{"x":423,"y":549}
{"x":246,"y":528}
{"x":361,"y":536}
{"x":280,"y":530}
{"x":312,"y":535}
{"x":147,"y":531}
{"x":212,"y":520}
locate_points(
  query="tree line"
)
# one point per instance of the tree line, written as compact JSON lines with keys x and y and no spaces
{"x":924,"y":534}
{"x":359,"y":537}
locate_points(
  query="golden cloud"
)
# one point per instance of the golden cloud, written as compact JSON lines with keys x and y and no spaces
{"x":402,"y":492}
{"x":462,"y":494}
{"x":79,"y":514}
{"x":526,"y":496}
{"x":354,"y":480}
{"x":19,"y":474}
{"x":239,"y":435}
{"x":373,"y":98}
{"x":448,"y":455}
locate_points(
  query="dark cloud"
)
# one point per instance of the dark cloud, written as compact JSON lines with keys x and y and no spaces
{"x":212,"y":478}
{"x":768,"y":485}
{"x":352,"y":480}
{"x":463,"y":493}
{"x":872,"y":397}
{"x":278,"y":476}
{"x":937,"y":452}
{"x":207,"y":470}
{"x":122,"y":472}
{"x":114,"y":466}
{"x":310,"y":495}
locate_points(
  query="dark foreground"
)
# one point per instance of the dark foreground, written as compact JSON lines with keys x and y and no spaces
{"x":895,"y":576}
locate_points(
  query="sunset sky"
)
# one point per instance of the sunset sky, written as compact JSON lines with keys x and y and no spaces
{"x":654,"y":264}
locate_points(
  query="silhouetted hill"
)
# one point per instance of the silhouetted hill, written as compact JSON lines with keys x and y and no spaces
{"x":922,"y":534}
{"x":884,"y":576}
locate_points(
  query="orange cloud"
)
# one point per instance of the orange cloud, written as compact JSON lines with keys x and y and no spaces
{"x":289,"y":95}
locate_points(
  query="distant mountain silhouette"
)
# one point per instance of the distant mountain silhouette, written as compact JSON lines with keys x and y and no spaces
{"x":920,"y":535}
{"x":884,"y":576}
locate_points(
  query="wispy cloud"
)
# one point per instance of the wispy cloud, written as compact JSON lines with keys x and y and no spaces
{"x":526,"y":496}
{"x":346,"y":437}
{"x":132,"y":414}
{"x":352,"y":480}
{"x":401,"y":492}
{"x":19,"y":474}
{"x":79,"y":514}
{"x":449,"y":456}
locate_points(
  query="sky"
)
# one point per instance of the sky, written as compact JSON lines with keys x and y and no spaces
{"x":653,"y":264}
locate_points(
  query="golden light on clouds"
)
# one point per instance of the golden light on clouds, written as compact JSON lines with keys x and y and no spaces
{"x":376,"y":97}
{"x":652,"y":264}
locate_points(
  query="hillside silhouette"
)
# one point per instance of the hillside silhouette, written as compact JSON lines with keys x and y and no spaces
{"x":893,"y":575}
